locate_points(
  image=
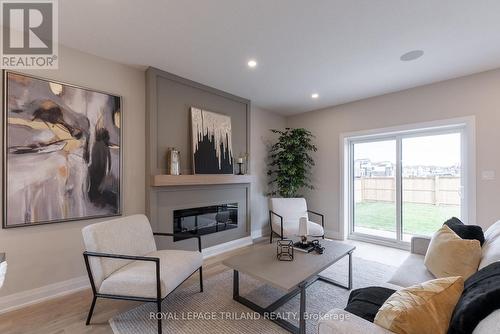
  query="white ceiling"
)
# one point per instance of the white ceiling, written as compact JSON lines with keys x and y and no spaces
{"x":345,"y":50}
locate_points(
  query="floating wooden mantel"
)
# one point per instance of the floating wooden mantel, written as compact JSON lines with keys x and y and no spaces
{"x":199,"y":179}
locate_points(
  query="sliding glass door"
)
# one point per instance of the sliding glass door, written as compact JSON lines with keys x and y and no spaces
{"x":405,"y":184}
{"x":374,"y":171}
{"x":431,"y":182}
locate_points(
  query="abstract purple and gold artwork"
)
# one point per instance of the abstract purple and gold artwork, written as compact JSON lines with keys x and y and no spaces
{"x":62,"y":152}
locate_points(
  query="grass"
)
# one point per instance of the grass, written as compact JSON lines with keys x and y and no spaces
{"x":419,"y":219}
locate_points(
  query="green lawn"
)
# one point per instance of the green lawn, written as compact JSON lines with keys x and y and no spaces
{"x":421,"y":219}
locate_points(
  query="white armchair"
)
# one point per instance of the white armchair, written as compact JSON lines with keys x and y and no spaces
{"x":284,"y":216}
{"x":123,"y":262}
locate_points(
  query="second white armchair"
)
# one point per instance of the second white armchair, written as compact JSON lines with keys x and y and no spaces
{"x":285,"y":214}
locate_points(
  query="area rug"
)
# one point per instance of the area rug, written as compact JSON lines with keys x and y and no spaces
{"x":214,"y":311}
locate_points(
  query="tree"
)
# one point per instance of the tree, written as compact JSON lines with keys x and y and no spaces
{"x":291,"y":162}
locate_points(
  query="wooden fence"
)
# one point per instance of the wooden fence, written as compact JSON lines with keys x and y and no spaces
{"x":426,"y":190}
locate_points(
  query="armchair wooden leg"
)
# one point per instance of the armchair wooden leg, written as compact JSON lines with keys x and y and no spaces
{"x":158,"y":303}
{"x":271,"y":237}
{"x":201,"y":279}
{"x":91,"y":311}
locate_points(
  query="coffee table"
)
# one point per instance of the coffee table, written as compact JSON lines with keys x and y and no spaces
{"x":293,"y":277}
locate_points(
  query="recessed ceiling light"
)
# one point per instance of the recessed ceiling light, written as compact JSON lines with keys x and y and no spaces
{"x":412,"y":55}
{"x":314,"y":95}
{"x":252,"y":63}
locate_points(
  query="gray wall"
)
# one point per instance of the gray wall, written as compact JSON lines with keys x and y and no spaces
{"x":48,"y":257}
{"x":169,"y":99}
{"x":476,"y":95}
{"x":262,"y":138}
{"x":41,"y":255}
{"x":174,"y":100}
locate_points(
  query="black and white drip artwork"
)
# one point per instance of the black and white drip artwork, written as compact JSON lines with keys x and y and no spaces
{"x":212,"y":146}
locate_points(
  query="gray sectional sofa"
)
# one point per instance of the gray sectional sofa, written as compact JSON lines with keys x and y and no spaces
{"x":413,"y":271}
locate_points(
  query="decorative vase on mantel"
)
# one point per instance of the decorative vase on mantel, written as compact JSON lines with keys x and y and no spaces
{"x":173,"y":161}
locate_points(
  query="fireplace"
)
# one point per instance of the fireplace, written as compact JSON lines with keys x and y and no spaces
{"x":205,"y":220}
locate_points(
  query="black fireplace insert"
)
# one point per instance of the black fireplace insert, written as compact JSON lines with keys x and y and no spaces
{"x":205,"y":220}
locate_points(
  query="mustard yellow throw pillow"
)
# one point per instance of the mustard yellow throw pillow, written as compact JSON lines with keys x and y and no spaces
{"x":423,"y":308}
{"x":449,"y":255}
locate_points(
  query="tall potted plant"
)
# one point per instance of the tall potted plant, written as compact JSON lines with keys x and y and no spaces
{"x":291,"y":162}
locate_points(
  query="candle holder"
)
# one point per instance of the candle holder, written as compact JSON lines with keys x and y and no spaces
{"x":284,"y":250}
{"x":240,"y":172}
{"x":240,"y":163}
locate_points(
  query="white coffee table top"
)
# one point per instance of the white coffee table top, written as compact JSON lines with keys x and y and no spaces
{"x":263,"y":264}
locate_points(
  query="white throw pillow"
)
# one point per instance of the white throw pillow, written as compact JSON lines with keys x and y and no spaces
{"x":491,"y":246}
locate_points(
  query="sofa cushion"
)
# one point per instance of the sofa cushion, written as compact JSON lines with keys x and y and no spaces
{"x":480,"y":298}
{"x":366,"y":302}
{"x":449,"y":255}
{"x":131,"y":235}
{"x":469,"y":232}
{"x":138,"y":278}
{"x":491,"y":247}
{"x":414,"y":309}
{"x":490,"y":324}
{"x":339,"y":321}
{"x":412,"y":271}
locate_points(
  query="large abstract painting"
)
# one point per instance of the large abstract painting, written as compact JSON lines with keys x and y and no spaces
{"x":62,"y":152}
{"x":212,"y":147}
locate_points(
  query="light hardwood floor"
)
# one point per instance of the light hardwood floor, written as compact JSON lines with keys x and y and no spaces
{"x":66,"y":315}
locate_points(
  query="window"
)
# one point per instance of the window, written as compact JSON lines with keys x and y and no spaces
{"x":407,"y":182}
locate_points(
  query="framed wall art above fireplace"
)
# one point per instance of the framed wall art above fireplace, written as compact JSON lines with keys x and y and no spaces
{"x":62,"y":156}
{"x":212,"y":142}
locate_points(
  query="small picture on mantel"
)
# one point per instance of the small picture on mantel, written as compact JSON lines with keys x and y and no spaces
{"x":212,"y":147}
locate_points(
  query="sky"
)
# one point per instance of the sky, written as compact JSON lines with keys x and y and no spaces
{"x":436,"y":150}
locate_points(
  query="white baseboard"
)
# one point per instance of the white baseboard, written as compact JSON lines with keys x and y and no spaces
{"x":25,"y":298}
{"x":257,"y":234}
{"x":263,"y":232}
{"x":227,"y":246}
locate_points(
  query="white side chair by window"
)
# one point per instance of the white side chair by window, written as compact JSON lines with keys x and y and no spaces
{"x":284,"y":216}
{"x":123,"y":262}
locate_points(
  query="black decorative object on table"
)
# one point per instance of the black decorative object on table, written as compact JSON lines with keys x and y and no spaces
{"x":284,"y":250}
{"x":309,"y":247}
{"x":303,"y":247}
{"x":317,"y":247}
